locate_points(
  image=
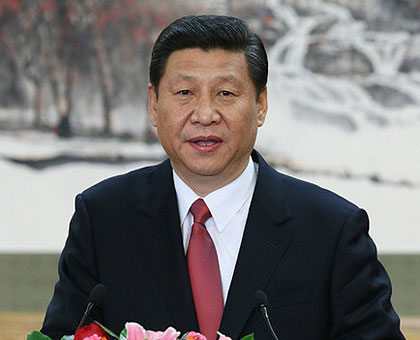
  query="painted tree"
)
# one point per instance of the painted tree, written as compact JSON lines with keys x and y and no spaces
{"x":65,"y":53}
{"x":42,"y":41}
{"x":21,"y":40}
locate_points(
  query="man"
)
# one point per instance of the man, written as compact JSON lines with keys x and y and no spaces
{"x":140,"y":234}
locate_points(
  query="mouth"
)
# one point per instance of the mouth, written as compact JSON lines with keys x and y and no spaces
{"x":205,"y":143}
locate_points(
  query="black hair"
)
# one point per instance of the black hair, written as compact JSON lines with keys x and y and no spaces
{"x":210,"y":32}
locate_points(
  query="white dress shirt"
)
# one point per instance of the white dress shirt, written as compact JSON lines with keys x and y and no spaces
{"x":229,"y":208}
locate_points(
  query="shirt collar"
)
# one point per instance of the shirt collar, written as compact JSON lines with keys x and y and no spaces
{"x":223,"y":203}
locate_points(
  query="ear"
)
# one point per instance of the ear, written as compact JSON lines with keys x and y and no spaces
{"x":152,"y":104}
{"x":262,"y":106}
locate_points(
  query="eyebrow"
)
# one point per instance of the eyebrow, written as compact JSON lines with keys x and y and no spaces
{"x":185,"y":77}
{"x":188,"y":77}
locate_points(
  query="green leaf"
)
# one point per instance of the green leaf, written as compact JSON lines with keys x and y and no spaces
{"x":35,"y":335}
{"x":248,"y":337}
{"x":106,"y":330}
{"x":123,"y":334}
{"x":67,"y":337}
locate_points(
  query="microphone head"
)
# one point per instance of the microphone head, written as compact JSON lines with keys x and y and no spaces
{"x":97,"y":294}
{"x":260,"y":298}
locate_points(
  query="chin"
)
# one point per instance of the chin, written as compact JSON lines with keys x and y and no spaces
{"x":205,"y":172}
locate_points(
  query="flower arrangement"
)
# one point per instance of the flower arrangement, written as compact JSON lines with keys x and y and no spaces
{"x":131,"y":331}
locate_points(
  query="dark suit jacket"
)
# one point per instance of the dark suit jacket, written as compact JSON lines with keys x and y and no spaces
{"x":306,"y":247}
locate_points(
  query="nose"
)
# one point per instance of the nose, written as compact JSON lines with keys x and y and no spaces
{"x":205,"y":112}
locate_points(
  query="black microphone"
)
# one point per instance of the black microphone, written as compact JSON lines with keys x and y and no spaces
{"x":261,"y":303}
{"x":96,"y":299}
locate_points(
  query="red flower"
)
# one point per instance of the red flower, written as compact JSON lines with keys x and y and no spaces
{"x":89,"y":331}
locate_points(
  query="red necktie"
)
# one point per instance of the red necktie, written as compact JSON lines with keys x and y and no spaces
{"x":203,"y":267}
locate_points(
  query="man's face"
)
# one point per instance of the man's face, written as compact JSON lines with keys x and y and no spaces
{"x":207,"y":114}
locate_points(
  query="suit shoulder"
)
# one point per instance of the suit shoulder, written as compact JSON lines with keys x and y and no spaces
{"x":299,"y":194}
{"x":310,"y":195}
{"x":123,"y":184}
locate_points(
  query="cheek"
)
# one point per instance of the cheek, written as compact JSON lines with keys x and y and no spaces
{"x":245,"y":131}
{"x":170,"y":127}
{"x":165,"y":117}
{"x":244,"y":121}
{"x":246,"y":112}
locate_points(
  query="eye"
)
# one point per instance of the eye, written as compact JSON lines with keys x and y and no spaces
{"x":226,"y":93}
{"x":184,"y":92}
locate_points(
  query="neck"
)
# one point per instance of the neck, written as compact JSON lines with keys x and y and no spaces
{"x":201,"y":188}
{"x":203,"y":185}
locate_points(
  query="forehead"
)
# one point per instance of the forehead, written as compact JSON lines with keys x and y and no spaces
{"x":192,"y":63}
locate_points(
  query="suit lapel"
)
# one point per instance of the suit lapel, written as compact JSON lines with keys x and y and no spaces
{"x":162,"y":244}
{"x":263,"y":246}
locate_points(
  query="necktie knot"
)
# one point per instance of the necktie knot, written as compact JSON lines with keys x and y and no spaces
{"x":200,"y":211}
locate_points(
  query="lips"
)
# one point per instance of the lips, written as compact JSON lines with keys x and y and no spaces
{"x":205,"y":143}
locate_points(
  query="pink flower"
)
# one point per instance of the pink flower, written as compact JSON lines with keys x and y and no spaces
{"x":194,"y":336}
{"x":137,"y":332}
{"x":93,"y":337}
{"x":223,"y":337}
